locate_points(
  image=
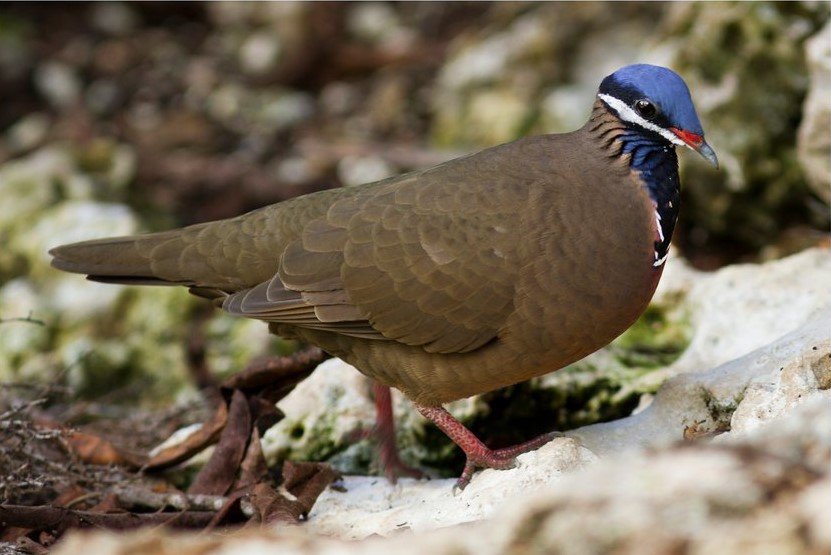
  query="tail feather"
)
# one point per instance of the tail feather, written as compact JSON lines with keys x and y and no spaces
{"x":116,"y":260}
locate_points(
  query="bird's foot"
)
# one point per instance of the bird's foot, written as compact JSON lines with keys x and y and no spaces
{"x":394,"y":467}
{"x":499,"y":459}
{"x":383,"y":433}
{"x":530,"y":445}
{"x":478,"y":454}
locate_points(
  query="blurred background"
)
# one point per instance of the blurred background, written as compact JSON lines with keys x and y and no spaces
{"x":117,"y":118}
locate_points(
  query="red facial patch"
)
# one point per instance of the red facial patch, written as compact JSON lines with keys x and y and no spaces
{"x":690,"y":138}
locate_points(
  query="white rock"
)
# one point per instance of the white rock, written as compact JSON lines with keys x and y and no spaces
{"x":814,"y":137}
{"x":19,"y":339}
{"x":743,"y":307}
{"x":494,"y":114}
{"x":565,"y":108}
{"x":27,"y":185}
{"x":259,"y":52}
{"x":285,"y":108}
{"x":705,"y":401}
{"x":328,"y":406}
{"x":58,"y":83}
{"x":356,"y":170}
{"x":484,"y":61}
{"x":114,"y":18}
{"x":372,"y":21}
{"x":371,"y":505}
{"x":28,"y":132}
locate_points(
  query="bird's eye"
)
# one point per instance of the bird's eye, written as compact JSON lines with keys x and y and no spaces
{"x":645,"y":109}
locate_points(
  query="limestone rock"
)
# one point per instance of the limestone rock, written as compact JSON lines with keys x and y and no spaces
{"x":60,"y":194}
{"x":749,"y":491}
{"x":814,"y":139}
{"x":749,"y":101}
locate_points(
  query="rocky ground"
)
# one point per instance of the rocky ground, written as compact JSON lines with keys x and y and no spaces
{"x":703,"y":428}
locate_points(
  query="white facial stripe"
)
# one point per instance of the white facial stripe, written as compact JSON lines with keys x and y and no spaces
{"x":628,"y":114}
{"x":658,"y":224}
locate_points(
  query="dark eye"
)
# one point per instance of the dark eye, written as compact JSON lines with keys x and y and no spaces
{"x":645,"y":109}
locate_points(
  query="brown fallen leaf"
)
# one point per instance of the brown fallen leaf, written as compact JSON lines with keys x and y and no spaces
{"x":231,"y":512}
{"x":94,"y":449}
{"x":91,"y":448}
{"x":27,"y":545}
{"x":107,"y":505}
{"x":266,"y":414}
{"x":277,"y":374}
{"x":272,"y":507}
{"x":266,"y":381}
{"x":304,"y":481}
{"x":219,"y":473}
{"x":307,"y":480}
{"x":207,"y":435}
{"x":253,"y":468}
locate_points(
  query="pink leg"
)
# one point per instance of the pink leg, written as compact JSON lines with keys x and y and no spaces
{"x":478,"y":454}
{"x":391,"y":462}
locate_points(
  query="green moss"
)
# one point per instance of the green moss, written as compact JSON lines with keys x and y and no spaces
{"x":358,"y":458}
{"x":323,"y":447}
{"x":100,"y":367}
{"x":656,"y":339}
{"x":315,"y":443}
{"x":721,"y":410}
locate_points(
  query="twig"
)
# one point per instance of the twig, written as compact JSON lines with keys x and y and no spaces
{"x":47,"y":517}
{"x":82,"y":498}
{"x":130,"y":497}
{"x":27,"y":319}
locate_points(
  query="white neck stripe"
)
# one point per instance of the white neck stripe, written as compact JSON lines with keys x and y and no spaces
{"x":628,"y":114}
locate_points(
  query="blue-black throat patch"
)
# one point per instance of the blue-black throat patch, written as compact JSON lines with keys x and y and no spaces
{"x":657,"y":163}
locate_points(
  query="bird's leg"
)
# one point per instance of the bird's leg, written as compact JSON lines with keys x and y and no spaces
{"x":478,"y":454}
{"x":391,"y":463}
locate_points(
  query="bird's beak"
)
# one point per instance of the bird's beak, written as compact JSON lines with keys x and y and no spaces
{"x":697,"y":143}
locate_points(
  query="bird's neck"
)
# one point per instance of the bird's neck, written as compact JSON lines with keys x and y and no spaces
{"x":655,"y":162}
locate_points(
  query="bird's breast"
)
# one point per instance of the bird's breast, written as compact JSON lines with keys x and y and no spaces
{"x":588,"y":272}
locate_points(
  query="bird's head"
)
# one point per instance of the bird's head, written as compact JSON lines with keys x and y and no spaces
{"x":656,"y":99}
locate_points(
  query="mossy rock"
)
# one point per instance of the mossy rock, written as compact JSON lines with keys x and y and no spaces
{"x":746,"y":64}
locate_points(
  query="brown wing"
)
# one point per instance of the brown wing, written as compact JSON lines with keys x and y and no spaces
{"x":425,"y":259}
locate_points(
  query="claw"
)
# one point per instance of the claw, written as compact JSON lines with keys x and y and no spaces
{"x":478,"y":455}
{"x":464,"y":479}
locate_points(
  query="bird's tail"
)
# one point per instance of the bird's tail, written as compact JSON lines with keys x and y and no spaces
{"x":151,"y":259}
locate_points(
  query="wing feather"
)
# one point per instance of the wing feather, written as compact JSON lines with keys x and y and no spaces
{"x":426,"y":259}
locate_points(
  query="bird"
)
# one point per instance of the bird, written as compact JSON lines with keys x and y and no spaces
{"x":463,"y":278}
